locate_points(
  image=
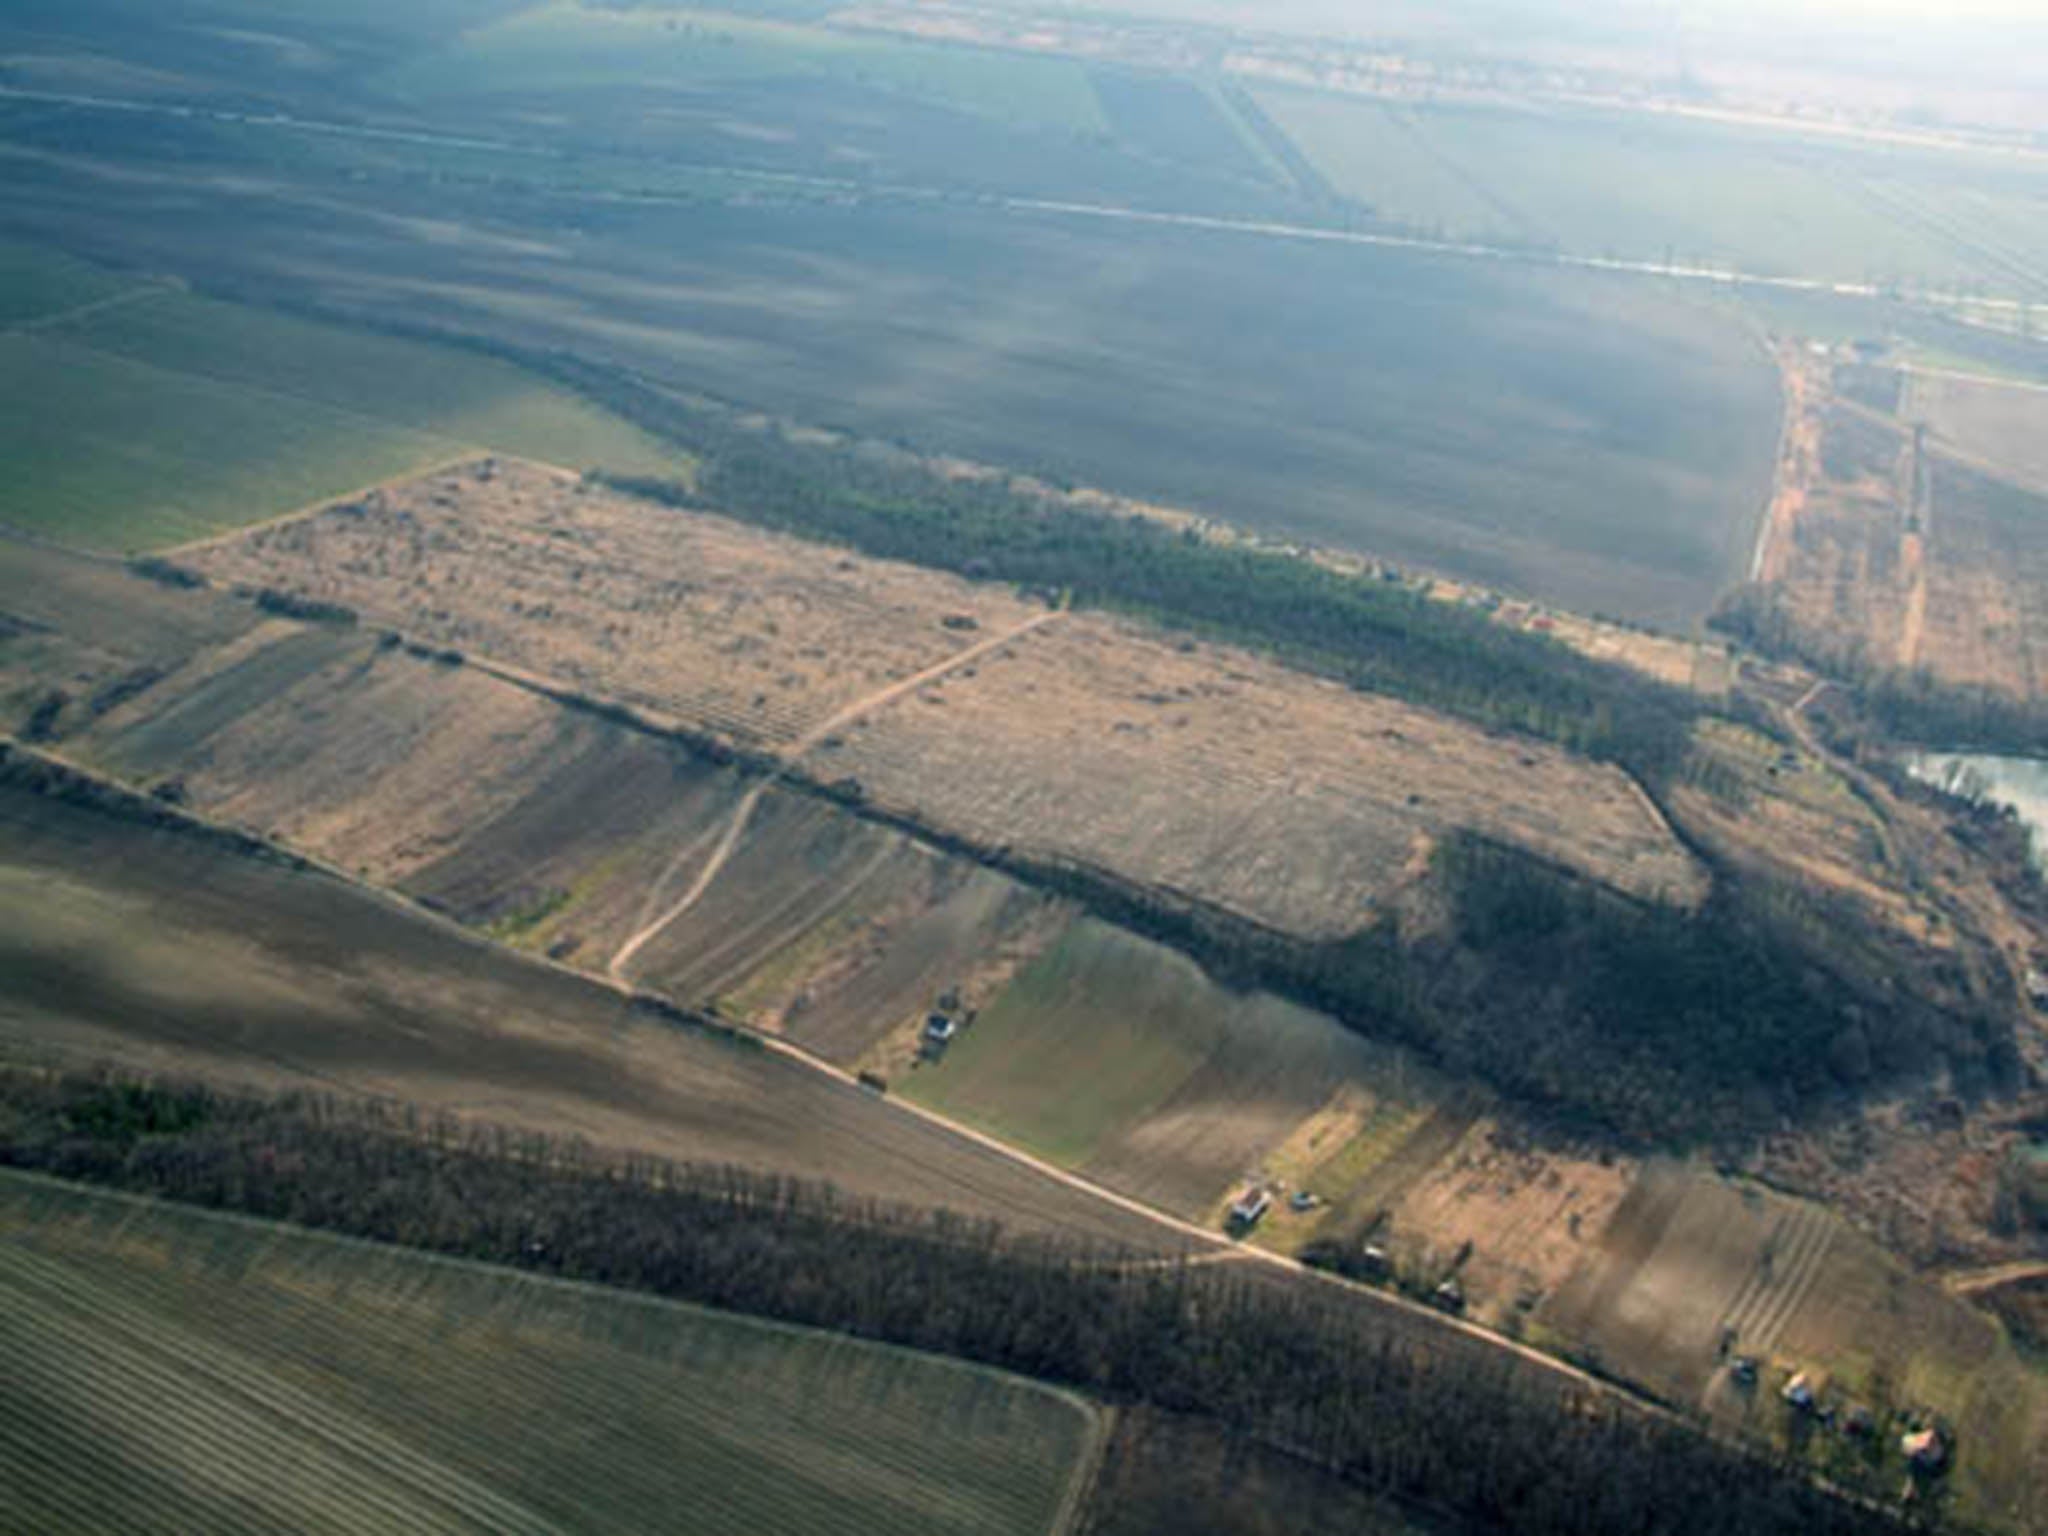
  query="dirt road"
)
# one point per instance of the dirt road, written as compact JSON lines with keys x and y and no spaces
{"x":1976,"y":1282}
{"x":652,"y":927}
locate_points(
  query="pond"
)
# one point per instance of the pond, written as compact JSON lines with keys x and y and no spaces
{"x":2020,"y":782}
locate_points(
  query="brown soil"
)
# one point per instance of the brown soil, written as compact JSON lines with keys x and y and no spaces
{"x":752,"y":635}
{"x":1899,"y":546}
{"x":161,"y":950}
{"x":1202,"y":770}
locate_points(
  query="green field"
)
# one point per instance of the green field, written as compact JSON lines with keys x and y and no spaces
{"x":170,"y":1369}
{"x":36,"y":285}
{"x":1118,"y":1057}
{"x":570,"y":46}
{"x":161,"y":417}
{"x":1633,"y":185}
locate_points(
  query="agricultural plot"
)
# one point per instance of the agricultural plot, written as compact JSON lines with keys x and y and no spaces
{"x":1177,"y":120}
{"x":1912,"y":549}
{"x":563,"y":49}
{"x":1085,"y":740}
{"x":1214,"y":775}
{"x":1693,"y":1271}
{"x":757,"y":638}
{"x":156,"y":417}
{"x":1119,"y":1058}
{"x":175,"y":1368}
{"x":1598,"y":444}
{"x":160,"y":948}
{"x":2003,"y":428}
{"x":1641,"y":187}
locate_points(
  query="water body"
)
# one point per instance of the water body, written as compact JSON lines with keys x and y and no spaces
{"x":2018,"y":782}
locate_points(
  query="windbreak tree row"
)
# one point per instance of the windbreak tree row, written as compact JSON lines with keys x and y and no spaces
{"x":1386,"y":1400}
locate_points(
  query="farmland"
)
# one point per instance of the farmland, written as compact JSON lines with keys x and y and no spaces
{"x":1604,"y":447}
{"x":1119,"y":1058}
{"x":139,"y":415}
{"x":154,"y":945}
{"x":1658,"y":188}
{"x":1692,"y":1270}
{"x":232,"y":1375}
{"x":1040,"y":745}
{"x":567,"y":48}
{"x":1911,"y":531}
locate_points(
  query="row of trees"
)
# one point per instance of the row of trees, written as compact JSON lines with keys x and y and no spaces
{"x":1403,"y":1408}
{"x":1892,"y":702}
{"x":890,"y":502}
{"x":1381,"y":636}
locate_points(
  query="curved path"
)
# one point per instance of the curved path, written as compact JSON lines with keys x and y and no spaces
{"x":652,"y":927}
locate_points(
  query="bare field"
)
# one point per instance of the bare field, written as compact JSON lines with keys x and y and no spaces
{"x":2003,"y":425}
{"x":1090,"y":740}
{"x":1213,"y":773}
{"x":1919,"y":551}
{"x":159,"y":949}
{"x":175,"y":1369}
{"x":754,"y":636}
{"x":1526,"y":1215}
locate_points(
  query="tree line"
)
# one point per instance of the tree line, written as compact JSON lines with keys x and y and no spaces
{"x":1408,"y":1411}
{"x":1376,"y":635}
{"x":1894,"y":703}
{"x":888,"y":501}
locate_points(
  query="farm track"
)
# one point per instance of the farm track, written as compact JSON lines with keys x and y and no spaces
{"x":1204,"y":1244}
{"x":815,"y":737}
{"x":736,"y":955}
{"x":79,"y":311}
{"x":1978,"y":1282}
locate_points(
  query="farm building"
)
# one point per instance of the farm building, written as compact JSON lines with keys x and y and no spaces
{"x":1249,"y":1209}
{"x":1924,"y":1449}
{"x":1799,"y":1392}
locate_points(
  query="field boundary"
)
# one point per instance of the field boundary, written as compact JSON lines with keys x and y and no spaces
{"x":1206,"y":1239}
{"x":179,"y":1210}
{"x":470,"y":454}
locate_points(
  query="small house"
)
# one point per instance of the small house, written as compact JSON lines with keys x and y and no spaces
{"x":1449,"y":1297}
{"x":1924,"y":1449}
{"x":1249,"y":1209}
{"x":939,"y":1030}
{"x":1742,"y":1370}
{"x":1799,"y":1392}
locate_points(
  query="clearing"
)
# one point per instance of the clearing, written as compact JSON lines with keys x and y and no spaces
{"x":1204,"y":772}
